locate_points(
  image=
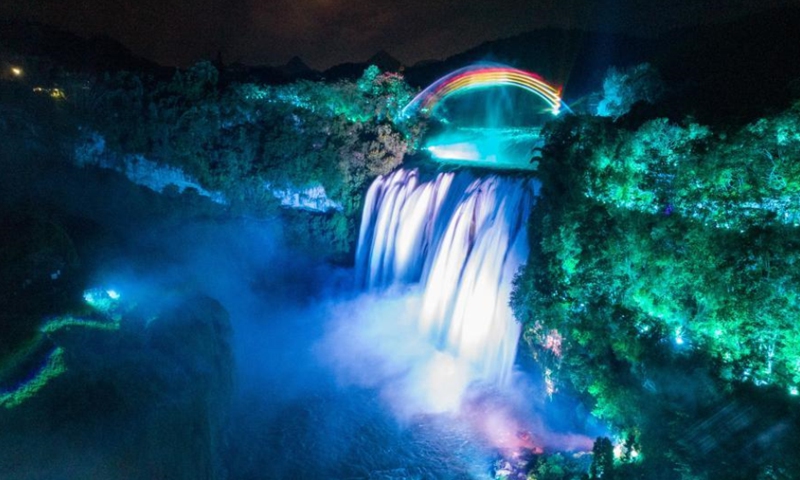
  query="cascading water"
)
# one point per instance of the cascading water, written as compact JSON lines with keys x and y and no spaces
{"x":461,"y":239}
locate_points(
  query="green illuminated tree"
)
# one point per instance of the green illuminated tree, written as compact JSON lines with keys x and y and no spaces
{"x":622,"y":88}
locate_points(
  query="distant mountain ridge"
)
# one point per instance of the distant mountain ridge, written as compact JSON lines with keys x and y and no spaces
{"x":571,"y":58}
{"x":62,"y":49}
{"x":733,"y":69}
{"x":295,"y":67}
{"x":736,"y":67}
{"x":353,"y":70}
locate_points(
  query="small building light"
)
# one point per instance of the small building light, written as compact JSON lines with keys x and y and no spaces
{"x":57,"y":94}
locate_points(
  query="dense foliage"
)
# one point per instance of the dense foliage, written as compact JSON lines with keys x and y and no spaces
{"x":665,"y":270}
{"x":664,"y":280}
{"x":245,"y":139}
{"x":623,"y":88}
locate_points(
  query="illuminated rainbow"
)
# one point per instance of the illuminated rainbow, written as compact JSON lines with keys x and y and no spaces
{"x":478,"y":77}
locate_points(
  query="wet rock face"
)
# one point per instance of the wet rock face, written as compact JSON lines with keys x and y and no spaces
{"x":147,"y":400}
{"x":193,"y":336}
{"x":194,"y":340}
{"x":192,"y":344}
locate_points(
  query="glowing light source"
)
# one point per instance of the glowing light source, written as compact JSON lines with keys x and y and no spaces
{"x":506,"y":148}
{"x":16,"y":71}
{"x":456,"y":151}
{"x":54,"y":93}
{"x":479,"y":77}
{"x":679,"y":336}
{"x":101,"y":299}
{"x":794,"y":391}
{"x":624,"y":451}
{"x":57,"y":94}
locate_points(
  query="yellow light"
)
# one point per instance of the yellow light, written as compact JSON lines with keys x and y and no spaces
{"x":55,"y":93}
{"x":16,"y":71}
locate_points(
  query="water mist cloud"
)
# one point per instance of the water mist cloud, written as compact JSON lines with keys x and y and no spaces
{"x":373,"y":341}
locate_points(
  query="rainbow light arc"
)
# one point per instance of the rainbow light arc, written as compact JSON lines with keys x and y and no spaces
{"x":482,"y":76}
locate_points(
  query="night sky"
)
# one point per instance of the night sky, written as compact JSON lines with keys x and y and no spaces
{"x":328,"y":32}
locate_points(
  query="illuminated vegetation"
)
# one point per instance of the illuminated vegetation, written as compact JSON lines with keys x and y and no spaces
{"x":666,"y":256}
{"x":53,"y":367}
{"x":104,"y":302}
{"x":237,"y":138}
{"x":69,"y":321}
{"x":663,"y":285}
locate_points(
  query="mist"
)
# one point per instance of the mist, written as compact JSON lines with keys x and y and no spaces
{"x":290,"y":367}
{"x":328,"y":380}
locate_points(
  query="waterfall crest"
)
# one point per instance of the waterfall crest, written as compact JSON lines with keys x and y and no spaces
{"x":461,"y":239}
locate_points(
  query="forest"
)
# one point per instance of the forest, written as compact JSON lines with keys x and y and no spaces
{"x":663,"y":284}
{"x":663,"y":287}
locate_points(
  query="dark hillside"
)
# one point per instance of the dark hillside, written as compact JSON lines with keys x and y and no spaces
{"x":572,"y":58}
{"x":54,"y":48}
{"x":734,"y":69}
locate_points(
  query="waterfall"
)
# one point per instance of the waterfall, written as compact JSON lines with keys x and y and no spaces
{"x":461,"y":239}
